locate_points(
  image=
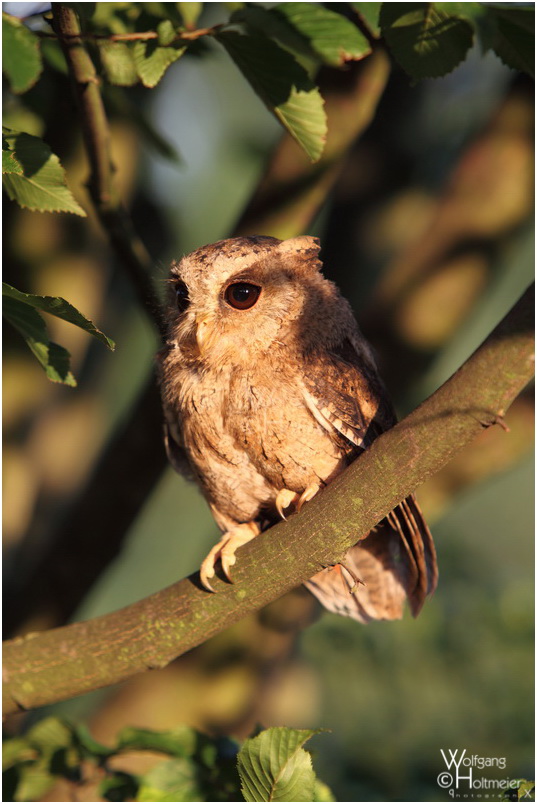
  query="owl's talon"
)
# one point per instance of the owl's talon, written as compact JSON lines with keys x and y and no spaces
{"x":308,"y":495}
{"x":284,"y":499}
{"x":225,"y":551}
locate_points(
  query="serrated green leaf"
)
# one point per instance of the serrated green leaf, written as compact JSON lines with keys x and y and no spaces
{"x":190,"y":13}
{"x":369,"y":13}
{"x":283,"y":85}
{"x":53,"y":358}
{"x":179,"y":742}
{"x":10,"y":163}
{"x":514,"y":36}
{"x":41,"y":186}
{"x":173,"y":780}
{"x":21,"y":57}
{"x":55,"y":305}
{"x":274,"y":767}
{"x":118,"y":64}
{"x":152,"y":61}
{"x":426,"y":41}
{"x":332,"y":37}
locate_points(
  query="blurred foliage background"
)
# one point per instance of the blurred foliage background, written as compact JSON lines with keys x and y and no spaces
{"x":428,"y":231}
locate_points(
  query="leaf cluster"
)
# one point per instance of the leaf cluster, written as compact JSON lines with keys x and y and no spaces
{"x":272,"y":766}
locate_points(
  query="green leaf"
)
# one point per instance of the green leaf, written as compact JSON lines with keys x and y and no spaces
{"x":10,"y":164}
{"x":21,"y":57}
{"x":118,"y":63}
{"x":190,"y":13}
{"x":15,"y":751}
{"x":53,"y":358}
{"x":173,"y":780}
{"x":166,"y":32}
{"x":41,"y":186}
{"x":50,"y":733}
{"x":369,"y":13}
{"x":178,"y":742}
{"x":119,"y":786}
{"x":35,"y":780}
{"x":90,"y":747}
{"x":514,"y":36}
{"x":55,"y":305}
{"x":283,"y":85}
{"x":332,"y":37}
{"x":428,"y":42}
{"x":322,"y":792}
{"x":152,"y":60}
{"x":274,"y":767}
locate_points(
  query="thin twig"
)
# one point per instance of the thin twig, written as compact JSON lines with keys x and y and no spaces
{"x":95,"y":129}
{"x":134,"y":36}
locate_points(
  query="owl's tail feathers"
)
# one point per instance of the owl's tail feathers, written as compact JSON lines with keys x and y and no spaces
{"x":395,"y":561}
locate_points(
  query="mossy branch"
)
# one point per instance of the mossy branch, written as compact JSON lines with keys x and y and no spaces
{"x":45,"y":667}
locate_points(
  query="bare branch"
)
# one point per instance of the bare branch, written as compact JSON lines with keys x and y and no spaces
{"x":116,"y":223}
{"x":54,"y":665}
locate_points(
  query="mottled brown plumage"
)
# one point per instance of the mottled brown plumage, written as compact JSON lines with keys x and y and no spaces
{"x":269,"y":391}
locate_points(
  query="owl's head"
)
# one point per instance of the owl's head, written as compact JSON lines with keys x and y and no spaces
{"x":236,"y":299}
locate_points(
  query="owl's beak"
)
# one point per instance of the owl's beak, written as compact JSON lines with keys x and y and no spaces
{"x":203,"y":331}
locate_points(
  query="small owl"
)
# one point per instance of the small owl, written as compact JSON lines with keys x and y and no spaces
{"x":269,"y":391}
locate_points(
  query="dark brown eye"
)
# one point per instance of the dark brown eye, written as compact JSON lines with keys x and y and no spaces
{"x":242,"y":295}
{"x":181,"y":294}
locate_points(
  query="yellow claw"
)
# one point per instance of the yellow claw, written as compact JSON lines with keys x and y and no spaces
{"x":284,"y":499}
{"x":225,"y":551}
{"x":308,"y":495}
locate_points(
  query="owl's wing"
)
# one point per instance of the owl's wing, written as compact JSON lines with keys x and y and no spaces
{"x":397,"y":559}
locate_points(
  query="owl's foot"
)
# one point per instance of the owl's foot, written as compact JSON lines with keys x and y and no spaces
{"x":308,"y":495}
{"x":342,"y":569}
{"x":284,"y":499}
{"x":225,"y":551}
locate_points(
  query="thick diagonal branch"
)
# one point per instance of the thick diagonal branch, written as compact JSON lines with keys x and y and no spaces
{"x":50,"y":666}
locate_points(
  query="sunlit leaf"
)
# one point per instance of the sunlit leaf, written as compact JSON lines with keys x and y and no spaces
{"x":283,"y":85}
{"x":55,"y":305}
{"x":274,"y":767}
{"x":21,"y":57}
{"x":41,"y":185}
{"x":332,"y":37}
{"x":190,"y":13}
{"x":173,"y":780}
{"x":54,"y":359}
{"x":118,"y":63}
{"x":176,"y":742}
{"x":152,"y":60}
{"x":426,"y":41}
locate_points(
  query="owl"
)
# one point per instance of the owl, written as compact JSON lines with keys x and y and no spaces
{"x":269,"y":391}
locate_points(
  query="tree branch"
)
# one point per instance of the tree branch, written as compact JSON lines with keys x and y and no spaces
{"x":51,"y":666}
{"x":114,"y":219}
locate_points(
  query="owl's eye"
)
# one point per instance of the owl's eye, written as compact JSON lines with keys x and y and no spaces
{"x":181,"y":294}
{"x":242,"y":295}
